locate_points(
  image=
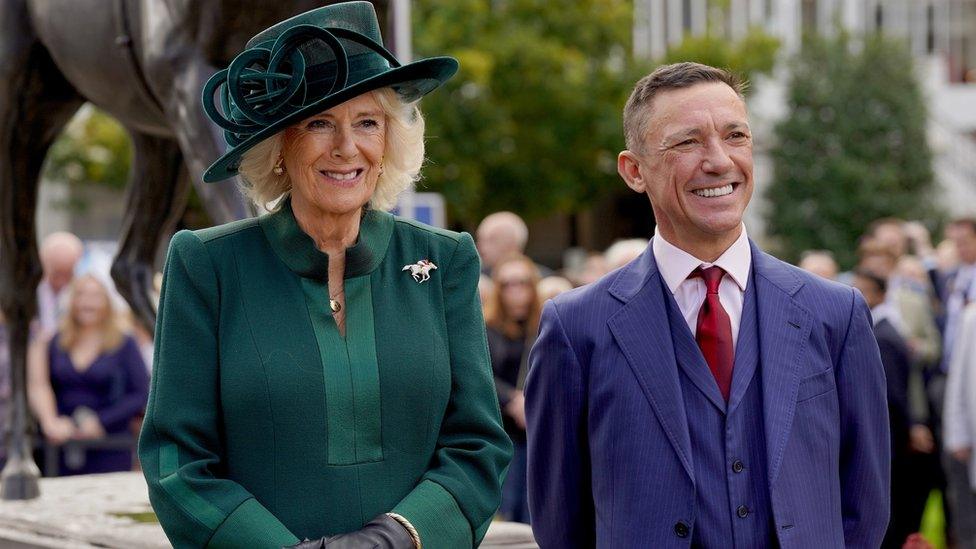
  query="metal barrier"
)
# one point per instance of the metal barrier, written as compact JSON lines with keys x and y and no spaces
{"x":50,"y":452}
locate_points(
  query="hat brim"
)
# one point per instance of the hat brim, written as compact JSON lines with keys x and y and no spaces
{"x":414,"y":80}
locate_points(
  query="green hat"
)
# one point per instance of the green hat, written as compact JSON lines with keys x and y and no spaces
{"x":303,"y":66}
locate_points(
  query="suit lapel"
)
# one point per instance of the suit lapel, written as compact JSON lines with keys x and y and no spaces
{"x":746,"y":349}
{"x":641,"y":329}
{"x":784,"y":329}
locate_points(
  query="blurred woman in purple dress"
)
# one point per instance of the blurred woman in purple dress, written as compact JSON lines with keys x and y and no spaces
{"x":88,"y":381}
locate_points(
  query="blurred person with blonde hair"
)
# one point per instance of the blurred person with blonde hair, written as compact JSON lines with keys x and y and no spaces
{"x":59,"y":253}
{"x":485,"y":289}
{"x":88,"y":381}
{"x":512,"y":319}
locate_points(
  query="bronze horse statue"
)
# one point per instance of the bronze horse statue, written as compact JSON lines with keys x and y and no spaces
{"x":145,"y":63}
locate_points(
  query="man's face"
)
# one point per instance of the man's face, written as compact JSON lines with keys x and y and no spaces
{"x":495,"y":241}
{"x":60,"y":270}
{"x":965,"y":240}
{"x":893,"y":236}
{"x":872,"y":294}
{"x":696,"y":163}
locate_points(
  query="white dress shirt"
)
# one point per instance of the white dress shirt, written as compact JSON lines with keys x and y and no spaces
{"x":49,"y":307}
{"x":676,"y":264}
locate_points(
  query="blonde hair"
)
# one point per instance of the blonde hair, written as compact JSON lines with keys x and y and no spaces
{"x":111,"y":326}
{"x":497,"y":317}
{"x":402,"y":158}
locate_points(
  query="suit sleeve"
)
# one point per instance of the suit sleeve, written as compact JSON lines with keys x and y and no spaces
{"x":457,"y":497}
{"x":180,"y":445}
{"x":865,"y":451}
{"x":894,"y":357}
{"x":560,"y":497}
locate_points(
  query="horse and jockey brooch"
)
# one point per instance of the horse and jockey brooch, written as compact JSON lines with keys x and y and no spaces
{"x":420,"y":271}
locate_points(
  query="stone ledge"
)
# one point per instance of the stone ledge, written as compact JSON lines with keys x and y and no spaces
{"x":93,"y":511}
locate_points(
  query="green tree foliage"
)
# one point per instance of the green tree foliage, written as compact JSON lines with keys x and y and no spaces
{"x":94,"y":148}
{"x":754,"y":54}
{"x":532,"y":123}
{"x":853,"y":148}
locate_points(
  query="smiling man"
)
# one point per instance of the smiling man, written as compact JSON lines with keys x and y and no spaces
{"x":705,"y":394}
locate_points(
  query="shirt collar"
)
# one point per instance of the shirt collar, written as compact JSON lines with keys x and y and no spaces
{"x":882,"y":311}
{"x":297,"y":250}
{"x":676,"y":264}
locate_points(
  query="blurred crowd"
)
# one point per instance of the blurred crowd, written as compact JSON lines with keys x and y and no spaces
{"x":513,"y":288}
{"x":88,"y":366}
{"x":89,"y":362}
{"x":923,"y":303}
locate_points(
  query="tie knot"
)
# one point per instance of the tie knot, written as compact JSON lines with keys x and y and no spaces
{"x":712,"y":277}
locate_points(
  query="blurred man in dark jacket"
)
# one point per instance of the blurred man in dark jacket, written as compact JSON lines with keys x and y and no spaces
{"x":906,"y":504}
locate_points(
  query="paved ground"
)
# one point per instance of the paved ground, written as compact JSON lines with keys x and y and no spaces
{"x":91,"y":511}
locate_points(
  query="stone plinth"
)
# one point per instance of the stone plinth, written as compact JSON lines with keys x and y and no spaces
{"x":85,"y":512}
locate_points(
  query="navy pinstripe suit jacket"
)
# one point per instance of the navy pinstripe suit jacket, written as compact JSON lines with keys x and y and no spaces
{"x":610,"y":459}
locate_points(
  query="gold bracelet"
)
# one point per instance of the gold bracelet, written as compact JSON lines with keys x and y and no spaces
{"x":410,"y":529}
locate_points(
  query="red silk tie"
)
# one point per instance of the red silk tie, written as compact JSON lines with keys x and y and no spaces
{"x":714,"y":332}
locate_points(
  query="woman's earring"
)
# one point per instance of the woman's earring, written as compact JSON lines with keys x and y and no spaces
{"x":381,"y":166}
{"x":279,"y":169}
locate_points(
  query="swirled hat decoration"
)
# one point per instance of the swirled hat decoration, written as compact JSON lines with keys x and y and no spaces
{"x":303,"y":66}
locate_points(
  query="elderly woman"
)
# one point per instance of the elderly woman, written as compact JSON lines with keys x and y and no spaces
{"x":322,"y":372}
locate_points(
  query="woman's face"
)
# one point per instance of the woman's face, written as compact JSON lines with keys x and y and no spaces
{"x":334,"y":158}
{"x":514,"y":281}
{"x":89,"y":302}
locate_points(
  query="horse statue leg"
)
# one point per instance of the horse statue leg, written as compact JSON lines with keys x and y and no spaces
{"x":35,"y":103}
{"x":157,"y":194}
{"x":202,"y":142}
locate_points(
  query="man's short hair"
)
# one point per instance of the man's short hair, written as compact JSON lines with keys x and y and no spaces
{"x":868,"y":246}
{"x":668,"y":77}
{"x":880,"y":284}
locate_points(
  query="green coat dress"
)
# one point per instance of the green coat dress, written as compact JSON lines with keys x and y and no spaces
{"x":265,"y":426}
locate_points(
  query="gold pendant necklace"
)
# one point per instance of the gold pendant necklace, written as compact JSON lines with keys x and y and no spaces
{"x":335,"y":305}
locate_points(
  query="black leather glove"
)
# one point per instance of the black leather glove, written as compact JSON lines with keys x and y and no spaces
{"x":383,"y":532}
